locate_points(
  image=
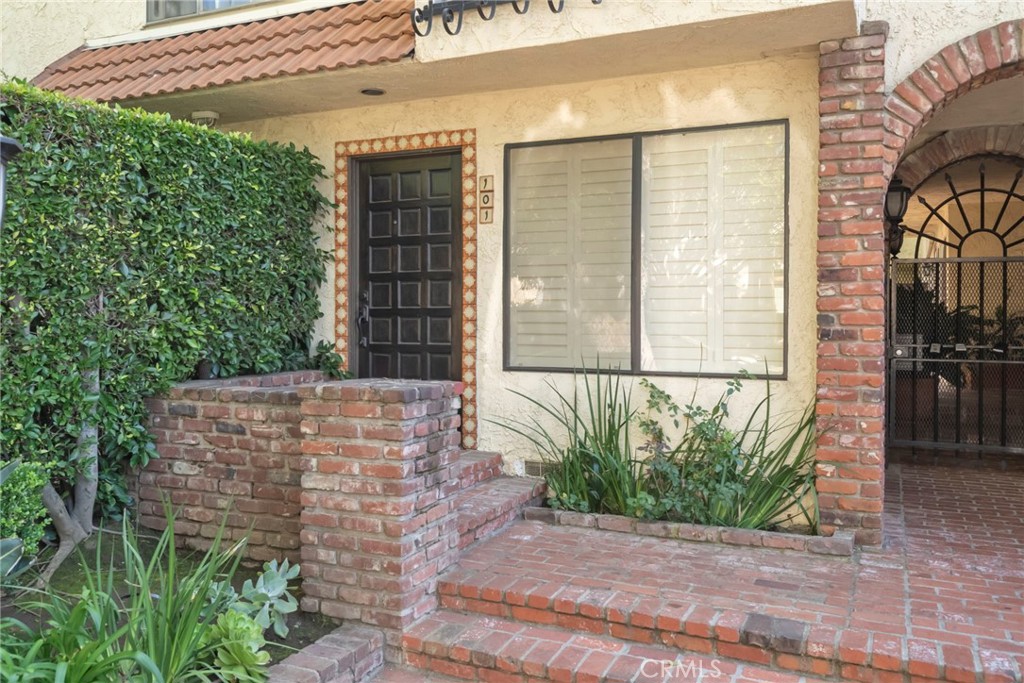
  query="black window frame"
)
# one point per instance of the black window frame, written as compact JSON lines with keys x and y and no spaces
{"x":636,"y":243}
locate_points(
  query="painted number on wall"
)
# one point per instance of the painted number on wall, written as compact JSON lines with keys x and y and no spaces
{"x":486,"y":199}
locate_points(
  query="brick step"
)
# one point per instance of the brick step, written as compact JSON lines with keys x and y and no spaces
{"x":402,"y":674}
{"x":686,"y":627}
{"x":493,"y":504}
{"x":349,"y":654}
{"x":474,"y":467}
{"x":480,"y":648}
{"x":772,"y":609}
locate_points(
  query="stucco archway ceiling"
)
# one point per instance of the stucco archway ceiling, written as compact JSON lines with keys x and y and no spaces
{"x":997,"y":104}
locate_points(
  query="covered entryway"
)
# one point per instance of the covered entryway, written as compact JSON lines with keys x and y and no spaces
{"x":409,"y":267}
{"x":956,"y":323}
{"x":966,"y":100}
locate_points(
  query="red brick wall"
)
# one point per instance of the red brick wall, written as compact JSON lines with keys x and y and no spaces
{"x":379,"y":522}
{"x":851,"y":294}
{"x":229,"y":446}
{"x":354,"y":479}
{"x":863,"y":134}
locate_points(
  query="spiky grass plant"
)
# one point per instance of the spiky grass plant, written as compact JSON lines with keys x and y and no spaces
{"x":591,"y":462}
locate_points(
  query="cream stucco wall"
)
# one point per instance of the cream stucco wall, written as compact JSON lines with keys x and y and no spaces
{"x":35,"y":33}
{"x":582,"y":19}
{"x":769,"y":89}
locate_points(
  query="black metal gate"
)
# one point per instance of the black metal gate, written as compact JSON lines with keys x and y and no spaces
{"x":956,"y":325}
{"x":956,"y":371}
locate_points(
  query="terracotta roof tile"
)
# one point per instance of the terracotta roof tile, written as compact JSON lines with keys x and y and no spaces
{"x":343,"y":36}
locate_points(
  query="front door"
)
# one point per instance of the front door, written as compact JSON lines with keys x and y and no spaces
{"x":409,"y":290}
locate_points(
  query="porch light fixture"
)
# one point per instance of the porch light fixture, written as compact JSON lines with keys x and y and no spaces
{"x":205,"y":118}
{"x":896,"y":199}
{"x":451,"y":12}
{"x":9,"y":148}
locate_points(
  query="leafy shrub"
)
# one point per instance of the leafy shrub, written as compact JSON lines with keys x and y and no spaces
{"x":22,"y":514}
{"x":329,"y":361}
{"x":135,"y":246}
{"x":756,"y":475}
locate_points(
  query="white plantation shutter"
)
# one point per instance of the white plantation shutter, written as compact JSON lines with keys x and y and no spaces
{"x":712,"y":261}
{"x":713,"y":272}
{"x":570,"y":254}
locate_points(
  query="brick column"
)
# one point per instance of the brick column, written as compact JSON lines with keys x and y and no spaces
{"x":377,"y":525}
{"x":851,"y":283}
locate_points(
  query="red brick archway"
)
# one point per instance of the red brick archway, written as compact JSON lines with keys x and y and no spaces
{"x":957,"y":145}
{"x":863,"y":134}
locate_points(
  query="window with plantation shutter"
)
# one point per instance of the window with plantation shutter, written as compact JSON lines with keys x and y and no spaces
{"x":571,"y":260}
{"x":689,"y":279}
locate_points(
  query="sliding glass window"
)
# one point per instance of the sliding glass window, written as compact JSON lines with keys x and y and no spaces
{"x":655,"y":253}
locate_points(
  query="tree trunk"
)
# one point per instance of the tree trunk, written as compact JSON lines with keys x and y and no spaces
{"x":69,"y":531}
{"x":87,"y":450}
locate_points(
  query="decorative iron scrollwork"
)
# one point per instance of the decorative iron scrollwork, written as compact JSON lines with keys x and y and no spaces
{"x":492,"y":4}
{"x":448,"y":15}
{"x":453,"y":11}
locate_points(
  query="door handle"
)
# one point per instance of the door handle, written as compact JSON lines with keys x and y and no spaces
{"x":363,"y":319}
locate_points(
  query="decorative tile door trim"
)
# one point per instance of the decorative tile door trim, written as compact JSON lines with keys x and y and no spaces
{"x":465,"y":140}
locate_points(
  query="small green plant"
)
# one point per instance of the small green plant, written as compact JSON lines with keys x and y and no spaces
{"x":755,"y":473}
{"x":168,"y":610}
{"x":757,"y":476}
{"x":168,"y":622}
{"x":234,"y":646}
{"x":329,"y":361}
{"x":268,"y":600}
{"x":79,"y":639}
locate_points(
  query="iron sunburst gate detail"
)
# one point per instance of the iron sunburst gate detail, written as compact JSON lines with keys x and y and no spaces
{"x":453,"y":11}
{"x":956,"y":322}
{"x":1012,"y":235}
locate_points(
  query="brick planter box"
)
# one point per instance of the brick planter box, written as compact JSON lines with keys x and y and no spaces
{"x":229,"y":446}
{"x":839,"y":544}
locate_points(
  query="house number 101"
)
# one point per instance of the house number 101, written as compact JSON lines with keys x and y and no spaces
{"x":487,"y":199}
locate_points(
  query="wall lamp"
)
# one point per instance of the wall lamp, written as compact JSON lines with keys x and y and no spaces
{"x":896,"y":199}
{"x":451,"y":12}
{"x":205,"y":118}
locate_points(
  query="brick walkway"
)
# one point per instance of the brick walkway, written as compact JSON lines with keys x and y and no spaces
{"x":942,"y":599}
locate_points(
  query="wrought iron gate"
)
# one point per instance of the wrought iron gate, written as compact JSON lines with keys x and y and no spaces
{"x":956,"y":324}
{"x":956,"y":371}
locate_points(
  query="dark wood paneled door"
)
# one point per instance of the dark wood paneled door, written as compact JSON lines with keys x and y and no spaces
{"x":409,"y":293}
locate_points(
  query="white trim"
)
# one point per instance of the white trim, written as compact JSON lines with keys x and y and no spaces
{"x":203,"y":22}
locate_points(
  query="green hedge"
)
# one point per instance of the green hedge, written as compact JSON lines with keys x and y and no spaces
{"x":199,"y":244}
